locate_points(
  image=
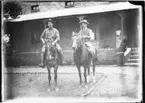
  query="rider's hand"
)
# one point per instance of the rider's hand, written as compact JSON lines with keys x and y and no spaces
{"x":86,"y":37}
{"x":43,"y":41}
{"x":53,"y":43}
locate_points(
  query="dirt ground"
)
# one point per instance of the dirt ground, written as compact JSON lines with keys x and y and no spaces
{"x":36,"y":85}
{"x":32,"y":82}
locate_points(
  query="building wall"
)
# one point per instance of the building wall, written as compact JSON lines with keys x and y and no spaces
{"x":26,"y":44}
{"x":49,"y":6}
{"x":131,"y":27}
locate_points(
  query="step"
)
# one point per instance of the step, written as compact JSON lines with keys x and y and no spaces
{"x":131,"y":64}
{"x":135,"y":48}
{"x":132,"y":49}
{"x":133,"y":60}
{"x":135,"y":53}
{"x":134,"y":57}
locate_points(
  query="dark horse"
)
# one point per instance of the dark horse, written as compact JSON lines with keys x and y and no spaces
{"x":52,"y":60}
{"x":82,"y":57}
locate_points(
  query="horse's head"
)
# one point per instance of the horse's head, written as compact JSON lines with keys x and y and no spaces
{"x":50,"y":52}
{"x":76,"y":40}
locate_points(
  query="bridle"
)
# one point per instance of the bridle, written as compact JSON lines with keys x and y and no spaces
{"x":79,"y":41}
{"x":49,"y":52}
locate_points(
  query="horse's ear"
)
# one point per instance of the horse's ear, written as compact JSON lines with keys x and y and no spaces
{"x":73,"y":33}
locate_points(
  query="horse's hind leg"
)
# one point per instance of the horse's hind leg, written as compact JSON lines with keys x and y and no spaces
{"x":94,"y":77}
{"x":55,"y":77}
{"x":49,"y":78}
{"x":88,"y":76}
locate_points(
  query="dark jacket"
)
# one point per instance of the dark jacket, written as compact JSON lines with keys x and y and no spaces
{"x":123,"y":45}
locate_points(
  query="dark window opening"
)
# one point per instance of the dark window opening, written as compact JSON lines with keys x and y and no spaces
{"x":69,"y":4}
{"x":35,"y":8}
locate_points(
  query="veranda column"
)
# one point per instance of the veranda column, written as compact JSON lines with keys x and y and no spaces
{"x":120,"y":53}
{"x":97,"y":34}
{"x":121,"y":15}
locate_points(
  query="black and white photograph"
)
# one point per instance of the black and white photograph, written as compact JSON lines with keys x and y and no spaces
{"x":71,"y":51}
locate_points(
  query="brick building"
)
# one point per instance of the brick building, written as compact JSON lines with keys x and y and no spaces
{"x":104,"y":21}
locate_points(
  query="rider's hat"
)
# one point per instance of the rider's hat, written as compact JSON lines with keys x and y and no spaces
{"x":118,"y":32}
{"x":83,"y":21}
{"x":49,"y":20}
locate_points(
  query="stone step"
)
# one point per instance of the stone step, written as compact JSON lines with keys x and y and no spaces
{"x":135,"y":48}
{"x":134,"y":56}
{"x":134,"y":53}
{"x":131,"y":64}
{"x":133,"y":60}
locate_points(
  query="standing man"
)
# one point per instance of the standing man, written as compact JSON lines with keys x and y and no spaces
{"x":50,"y":34}
{"x":121,"y":44}
{"x":118,"y":38}
{"x":87,"y":33}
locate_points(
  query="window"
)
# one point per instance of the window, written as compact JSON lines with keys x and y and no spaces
{"x":69,"y":4}
{"x":35,"y":8}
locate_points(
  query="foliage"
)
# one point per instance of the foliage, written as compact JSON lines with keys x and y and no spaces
{"x":6,"y":38}
{"x":13,"y":8}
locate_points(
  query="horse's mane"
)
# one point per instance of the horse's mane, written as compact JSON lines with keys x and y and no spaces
{"x":81,"y":53}
{"x":53,"y":51}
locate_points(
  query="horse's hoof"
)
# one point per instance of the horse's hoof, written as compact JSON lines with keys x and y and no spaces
{"x":48,"y":89}
{"x":88,"y":79}
{"x":86,"y":86}
{"x":81,"y":85}
{"x":94,"y":79}
{"x":57,"y":89}
{"x":42,"y":65}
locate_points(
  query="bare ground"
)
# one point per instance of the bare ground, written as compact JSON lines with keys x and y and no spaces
{"x":36,"y":85}
{"x":33,"y":82}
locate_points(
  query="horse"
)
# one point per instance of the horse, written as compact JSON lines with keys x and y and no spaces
{"x":82,"y":57}
{"x":52,"y":60}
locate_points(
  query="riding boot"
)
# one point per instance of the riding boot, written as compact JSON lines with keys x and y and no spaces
{"x":61,"y":58}
{"x":42,"y":60}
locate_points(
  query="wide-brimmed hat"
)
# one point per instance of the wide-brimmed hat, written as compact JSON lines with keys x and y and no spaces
{"x":118,"y":32}
{"x":49,"y":20}
{"x":83,"y":21}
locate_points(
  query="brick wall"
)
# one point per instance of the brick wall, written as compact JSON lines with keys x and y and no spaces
{"x":49,"y":6}
{"x":22,"y":41}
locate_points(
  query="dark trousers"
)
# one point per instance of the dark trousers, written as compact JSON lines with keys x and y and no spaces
{"x":120,"y":58}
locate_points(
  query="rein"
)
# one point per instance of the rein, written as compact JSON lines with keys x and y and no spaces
{"x":50,"y":51}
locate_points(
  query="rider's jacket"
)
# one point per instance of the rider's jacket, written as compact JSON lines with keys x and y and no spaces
{"x":50,"y":35}
{"x":86,"y":32}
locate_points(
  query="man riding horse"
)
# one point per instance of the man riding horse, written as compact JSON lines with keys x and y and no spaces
{"x":84,"y":52}
{"x":50,"y":34}
{"x":86,"y":34}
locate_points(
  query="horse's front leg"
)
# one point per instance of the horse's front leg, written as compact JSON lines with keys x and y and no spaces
{"x":79,"y":73}
{"x":49,"y":78}
{"x":55,"y":78}
{"x":85,"y":74}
